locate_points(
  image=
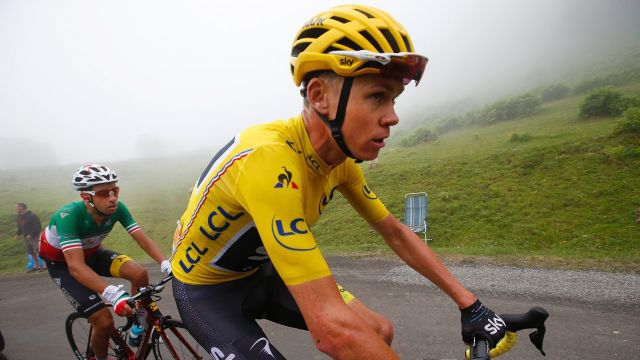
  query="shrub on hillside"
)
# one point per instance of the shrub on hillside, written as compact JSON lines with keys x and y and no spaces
{"x":419,"y":136}
{"x":524,"y":137}
{"x":554,"y":92}
{"x":449,"y":123}
{"x":630,"y":102}
{"x":630,"y":122}
{"x":606,"y":101}
{"x":623,"y":152}
{"x":612,"y":79}
{"x":508,"y":109}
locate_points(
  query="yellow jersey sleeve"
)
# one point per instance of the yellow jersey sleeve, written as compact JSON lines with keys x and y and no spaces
{"x":361,"y":198}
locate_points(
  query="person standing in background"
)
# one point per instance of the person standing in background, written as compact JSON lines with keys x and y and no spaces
{"x":29,"y":229}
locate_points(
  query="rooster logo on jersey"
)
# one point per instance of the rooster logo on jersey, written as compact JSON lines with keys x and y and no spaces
{"x":284,"y":180}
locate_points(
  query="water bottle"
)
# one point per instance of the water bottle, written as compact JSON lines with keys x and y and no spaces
{"x":135,"y":334}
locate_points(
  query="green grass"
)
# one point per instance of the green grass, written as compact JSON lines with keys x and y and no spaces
{"x":559,"y":197}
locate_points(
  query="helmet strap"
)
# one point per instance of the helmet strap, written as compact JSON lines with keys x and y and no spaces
{"x":335,"y":125}
{"x":100,"y":213}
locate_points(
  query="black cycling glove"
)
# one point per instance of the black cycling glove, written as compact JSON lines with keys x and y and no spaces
{"x":480,"y":321}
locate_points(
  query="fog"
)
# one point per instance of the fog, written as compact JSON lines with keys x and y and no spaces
{"x":104,"y":81}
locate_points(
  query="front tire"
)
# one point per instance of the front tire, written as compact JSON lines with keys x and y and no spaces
{"x":78,"y":331}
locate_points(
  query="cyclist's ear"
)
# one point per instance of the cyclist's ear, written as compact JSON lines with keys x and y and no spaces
{"x":317,"y":94}
{"x":85,"y":196}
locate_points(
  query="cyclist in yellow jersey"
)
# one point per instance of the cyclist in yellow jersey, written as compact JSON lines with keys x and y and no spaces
{"x":243,"y":249}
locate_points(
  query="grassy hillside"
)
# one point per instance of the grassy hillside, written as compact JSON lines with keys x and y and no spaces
{"x":564,"y":197}
{"x":561,"y":198}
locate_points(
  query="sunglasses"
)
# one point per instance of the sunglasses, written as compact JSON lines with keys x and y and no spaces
{"x":105,"y":193}
{"x":404,"y":65}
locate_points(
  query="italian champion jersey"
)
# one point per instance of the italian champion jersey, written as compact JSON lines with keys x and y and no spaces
{"x":72,"y":227}
{"x":256,"y":201}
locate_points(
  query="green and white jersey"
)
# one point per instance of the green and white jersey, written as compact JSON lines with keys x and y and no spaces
{"x":72,"y":227}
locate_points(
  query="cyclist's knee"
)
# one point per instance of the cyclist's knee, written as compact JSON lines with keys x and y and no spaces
{"x":102,"y":322}
{"x":140,"y":275}
{"x":135,"y":273}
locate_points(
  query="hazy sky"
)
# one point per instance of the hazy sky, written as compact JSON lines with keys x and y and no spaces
{"x":104,"y":81}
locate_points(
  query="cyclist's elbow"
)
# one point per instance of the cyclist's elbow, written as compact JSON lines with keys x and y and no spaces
{"x":75,"y":270}
{"x":335,"y":343}
{"x":338,"y":339}
{"x":384,"y":328}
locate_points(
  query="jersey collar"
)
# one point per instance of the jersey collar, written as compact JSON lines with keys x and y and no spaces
{"x":314,"y":162}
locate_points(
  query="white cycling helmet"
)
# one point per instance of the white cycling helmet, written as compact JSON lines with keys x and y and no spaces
{"x":92,"y":174}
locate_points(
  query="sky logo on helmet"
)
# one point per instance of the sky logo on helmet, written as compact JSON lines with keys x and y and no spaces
{"x":284,"y":180}
{"x":346,"y":62}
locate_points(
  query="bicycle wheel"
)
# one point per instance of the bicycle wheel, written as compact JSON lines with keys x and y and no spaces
{"x":178,"y":339}
{"x":78,"y":331}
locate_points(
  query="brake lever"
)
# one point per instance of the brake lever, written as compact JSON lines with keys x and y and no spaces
{"x":534,"y":318}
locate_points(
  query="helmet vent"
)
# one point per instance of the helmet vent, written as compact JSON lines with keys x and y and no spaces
{"x":312,"y":33}
{"x":391,"y":40}
{"x":330,"y":49}
{"x":345,"y":41}
{"x":299,"y":48}
{"x":371,"y":40}
{"x":406,"y":43}
{"x":365,"y":13}
{"x":339,"y":19}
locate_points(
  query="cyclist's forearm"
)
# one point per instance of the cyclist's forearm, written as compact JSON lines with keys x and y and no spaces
{"x":421,"y":258}
{"x":426,"y":262}
{"x":148,"y":245}
{"x":335,"y":328}
{"x":79,"y":270}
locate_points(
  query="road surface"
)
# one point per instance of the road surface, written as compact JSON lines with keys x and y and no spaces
{"x":594,"y":315}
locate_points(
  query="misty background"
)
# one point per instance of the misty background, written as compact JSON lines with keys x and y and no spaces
{"x":104,"y":81}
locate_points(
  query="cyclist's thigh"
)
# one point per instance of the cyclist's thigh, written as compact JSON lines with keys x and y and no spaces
{"x":107,"y":262}
{"x":84,"y":300}
{"x":214,"y":316}
{"x":280,"y":306}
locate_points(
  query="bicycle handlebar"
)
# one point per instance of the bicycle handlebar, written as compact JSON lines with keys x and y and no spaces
{"x":149,"y":290}
{"x":532,"y":319}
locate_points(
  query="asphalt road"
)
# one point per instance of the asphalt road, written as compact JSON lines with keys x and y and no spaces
{"x":594,"y":315}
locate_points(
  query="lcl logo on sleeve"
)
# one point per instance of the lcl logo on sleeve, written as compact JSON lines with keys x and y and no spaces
{"x":290,"y":234}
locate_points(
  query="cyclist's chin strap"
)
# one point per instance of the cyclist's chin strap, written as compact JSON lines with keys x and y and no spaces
{"x":335,"y":125}
{"x":96,"y":209}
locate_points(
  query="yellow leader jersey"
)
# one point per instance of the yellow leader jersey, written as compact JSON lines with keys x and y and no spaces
{"x":256,"y":201}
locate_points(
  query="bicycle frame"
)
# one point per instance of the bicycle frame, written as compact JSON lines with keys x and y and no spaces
{"x":156,"y":331}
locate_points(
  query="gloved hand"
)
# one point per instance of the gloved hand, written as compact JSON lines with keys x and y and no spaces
{"x":165,"y":267}
{"x":118,"y":298}
{"x":480,"y":321}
